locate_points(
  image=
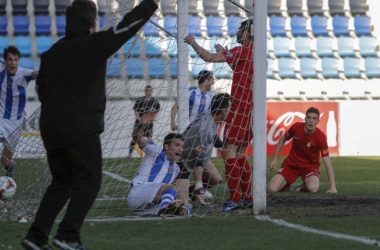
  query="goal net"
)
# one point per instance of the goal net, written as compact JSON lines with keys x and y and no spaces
{"x":149,"y":58}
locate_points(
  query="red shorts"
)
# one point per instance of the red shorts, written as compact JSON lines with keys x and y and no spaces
{"x":292,"y":173}
{"x":238,"y":128}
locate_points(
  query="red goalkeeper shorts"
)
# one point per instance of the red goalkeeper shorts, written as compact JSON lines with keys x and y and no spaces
{"x":238,"y":128}
{"x":292,"y":173}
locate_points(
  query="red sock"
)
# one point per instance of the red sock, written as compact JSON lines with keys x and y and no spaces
{"x":233,"y":170}
{"x":246,"y":179}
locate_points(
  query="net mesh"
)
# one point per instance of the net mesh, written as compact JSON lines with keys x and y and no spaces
{"x":149,"y":58}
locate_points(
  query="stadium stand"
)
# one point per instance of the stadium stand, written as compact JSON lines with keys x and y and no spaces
{"x":325,"y":45}
{"x":170,"y":24}
{"x":358,"y":7}
{"x":352,"y":67}
{"x":157,"y":67}
{"x":24,"y":44}
{"x":172,"y":47}
{"x":173,"y":65}
{"x":270,"y":70}
{"x":132,"y":47}
{"x":3,"y":25}
{"x":233,"y":24}
{"x":21,"y":25}
{"x":42,"y":24}
{"x":150,"y":29}
{"x":308,"y":67}
{"x":61,"y":25}
{"x":102,"y":7}
{"x":210,"y":6}
{"x":346,"y":46}
{"x":194,"y":25}
{"x":168,"y":7}
{"x":277,"y":25}
{"x":3,"y":4}
{"x":336,"y":7}
{"x":368,"y":46}
{"x":5,"y":41}
{"x":193,"y":9}
{"x":294,"y":7}
{"x":43,"y":43}
{"x":362,"y":25}
{"x":41,"y":7}
{"x":19,"y":7}
{"x":197,"y":65}
{"x":315,"y":7}
{"x":274,"y":7}
{"x":286,"y":67}
{"x":214,"y":25}
{"x":298,"y":25}
{"x":230,"y":9}
{"x":372,"y":66}
{"x":340,"y":25}
{"x":152,"y":45}
{"x":303,"y":46}
{"x":330,"y":67}
{"x":114,"y":68}
{"x":26,"y":62}
{"x":281,"y":46}
{"x":221,"y":70}
{"x":60,"y":6}
{"x":248,"y":4}
{"x":135,"y":67}
{"x":319,"y":25}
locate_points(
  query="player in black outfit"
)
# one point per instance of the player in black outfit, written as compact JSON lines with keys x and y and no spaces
{"x":71,"y":88}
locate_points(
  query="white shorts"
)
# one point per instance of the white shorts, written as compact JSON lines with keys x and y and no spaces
{"x":141,"y":196}
{"x":10,"y":131}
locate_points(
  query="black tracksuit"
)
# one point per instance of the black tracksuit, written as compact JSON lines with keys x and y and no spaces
{"x":71,"y":88}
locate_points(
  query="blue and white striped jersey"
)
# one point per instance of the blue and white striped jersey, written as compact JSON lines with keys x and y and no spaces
{"x":155,"y":167}
{"x":198,"y":102}
{"x":13,"y":92}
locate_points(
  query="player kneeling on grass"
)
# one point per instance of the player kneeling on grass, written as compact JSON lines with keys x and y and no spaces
{"x":303,"y":160}
{"x":151,"y":190}
{"x":200,"y":138}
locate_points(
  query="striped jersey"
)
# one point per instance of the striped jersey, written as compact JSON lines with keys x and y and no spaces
{"x":198,"y":102}
{"x":13,"y":92}
{"x":156,"y":167}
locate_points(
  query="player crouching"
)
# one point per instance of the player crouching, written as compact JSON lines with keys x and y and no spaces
{"x":151,"y":190}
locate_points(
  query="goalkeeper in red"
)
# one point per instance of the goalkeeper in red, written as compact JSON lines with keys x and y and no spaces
{"x":237,"y":132}
{"x":309,"y":142}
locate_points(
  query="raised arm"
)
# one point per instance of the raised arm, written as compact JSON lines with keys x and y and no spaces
{"x":173,"y":114}
{"x":330,"y":174}
{"x":34,"y":74}
{"x":204,"y":54}
{"x":280,"y":145}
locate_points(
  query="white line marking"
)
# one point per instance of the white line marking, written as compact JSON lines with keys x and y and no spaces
{"x":137,"y":218}
{"x":117,"y":177}
{"x":317,"y":231}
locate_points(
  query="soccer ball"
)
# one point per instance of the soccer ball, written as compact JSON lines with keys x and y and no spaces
{"x":7,"y":187}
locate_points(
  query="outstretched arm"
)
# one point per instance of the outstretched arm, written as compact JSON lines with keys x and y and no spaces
{"x":204,"y":54}
{"x":173,"y":114}
{"x":330,"y":174}
{"x":280,"y":145}
{"x":138,"y":133}
{"x":34,"y":74}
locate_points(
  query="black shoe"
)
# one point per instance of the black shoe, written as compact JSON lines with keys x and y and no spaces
{"x":61,"y":244}
{"x":28,"y":245}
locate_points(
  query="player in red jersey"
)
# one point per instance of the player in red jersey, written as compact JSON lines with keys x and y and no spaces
{"x":237,"y":132}
{"x":309,"y":142}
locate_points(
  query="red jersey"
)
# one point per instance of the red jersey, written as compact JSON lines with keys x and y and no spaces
{"x":306,"y":149}
{"x":241,"y":61}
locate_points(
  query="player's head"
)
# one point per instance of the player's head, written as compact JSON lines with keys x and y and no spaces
{"x":81,"y":15}
{"x":148,"y":91}
{"x":311,"y":119}
{"x":220,"y":106}
{"x":206,"y":79}
{"x":173,"y":146}
{"x":11,"y":58}
{"x":244,"y":31}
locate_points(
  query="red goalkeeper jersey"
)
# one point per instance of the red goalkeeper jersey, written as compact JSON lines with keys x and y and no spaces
{"x":306,"y":149}
{"x":240,"y":60}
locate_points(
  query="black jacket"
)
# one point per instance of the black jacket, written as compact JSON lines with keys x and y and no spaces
{"x":71,"y":80}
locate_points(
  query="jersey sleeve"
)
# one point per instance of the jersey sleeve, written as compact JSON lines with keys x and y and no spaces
{"x":152,"y":148}
{"x":27,"y":74}
{"x":290,"y":133}
{"x":324,"y":146}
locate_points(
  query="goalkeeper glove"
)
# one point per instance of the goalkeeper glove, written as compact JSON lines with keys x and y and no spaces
{"x":202,"y":194}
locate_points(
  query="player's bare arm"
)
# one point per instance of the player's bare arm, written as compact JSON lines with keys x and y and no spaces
{"x":138,"y":133}
{"x":330,"y":174}
{"x":173,"y":114}
{"x":137,"y":115}
{"x":280,"y":145}
{"x":204,"y":54}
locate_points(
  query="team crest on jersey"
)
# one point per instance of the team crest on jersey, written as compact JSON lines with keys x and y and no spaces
{"x":326,"y":151}
{"x":171,"y":168}
{"x":229,"y":54}
{"x":308,"y":144}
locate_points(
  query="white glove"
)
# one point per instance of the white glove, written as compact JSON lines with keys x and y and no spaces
{"x":202,"y":194}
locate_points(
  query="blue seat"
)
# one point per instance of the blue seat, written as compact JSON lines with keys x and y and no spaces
{"x":270,"y":70}
{"x":325,"y":46}
{"x":21,"y":25}
{"x":352,"y":67}
{"x":330,"y":67}
{"x":102,"y":7}
{"x":172,"y":50}
{"x":170,"y":24}
{"x":114,"y":69}
{"x":3,"y":4}
{"x":294,"y":7}
{"x":194,"y":25}
{"x":27,"y":63}
{"x":340,"y":25}
{"x":303,"y":46}
{"x":61,"y":24}
{"x":152,"y":45}
{"x":60,"y":6}
{"x":5,"y":41}
{"x":210,"y":6}
{"x":358,"y":7}
{"x":156,"y":67}
{"x":233,"y":24}
{"x":135,"y":67}
{"x":277,"y":26}
{"x":372,"y":66}
{"x":173,"y":65}
{"x":368,"y":46}
{"x":362,"y":25}
{"x":3,"y":25}
{"x":221,"y":70}
{"x":19,"y":7}
{"x":286,"y":67}
{"x":150,"y":29}
{"x":102,"y":21}
{"x":298,"y":25}
{"x":41,"y":6}
{"x":336,"y":7}
{"x":197,"y":64}
{"x":281,"y":46}
{"x":308,"y":67}
{"x":319,"y":25}
{"x":214,"y":25}
{"x":274,"y":7}
{"x":315,"y":7}
{"x":132,"y":47}
{"x":44,"y":43}
{"x":230,"y":9}
{"x":24,"y":44}
{"x":346,"y":46}
{"x":42,"y":24}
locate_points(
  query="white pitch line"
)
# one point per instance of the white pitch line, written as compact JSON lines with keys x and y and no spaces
{"x":317,"y":231}
{"x":117,"y":177}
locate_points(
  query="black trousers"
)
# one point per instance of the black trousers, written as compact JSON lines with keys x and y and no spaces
{"x":76,"y":176}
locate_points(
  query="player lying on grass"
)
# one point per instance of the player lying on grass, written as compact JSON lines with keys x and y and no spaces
{"x":200,"y":137}
{"x":303,"y":159}
{"x":151,"y":190}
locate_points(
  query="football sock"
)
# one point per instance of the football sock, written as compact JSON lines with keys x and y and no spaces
{"x":246,"y":179}
{"x":233,"y":170}
{"x":167,"y":197}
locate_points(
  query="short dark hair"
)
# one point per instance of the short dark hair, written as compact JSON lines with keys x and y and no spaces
{"x":148,"y":87}
{"x":171,"y":137}
{"x":80,"y":14}
{"x":246,"y":26}
{"x":220,"y":102}
{"x":12,"y":50}
{"x":312,"y":110}
{"x":203,"y":76}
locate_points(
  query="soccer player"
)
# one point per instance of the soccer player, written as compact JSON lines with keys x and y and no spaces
{"x":199,"y":97}
{"x":71,"y":88}
{"x":141,"y":105}
{"x":152,"y":191}
{"x":14,"y":81}
{"x":237,"y":131}
{"x":200,"y":138}
{"x":309,"y":142}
